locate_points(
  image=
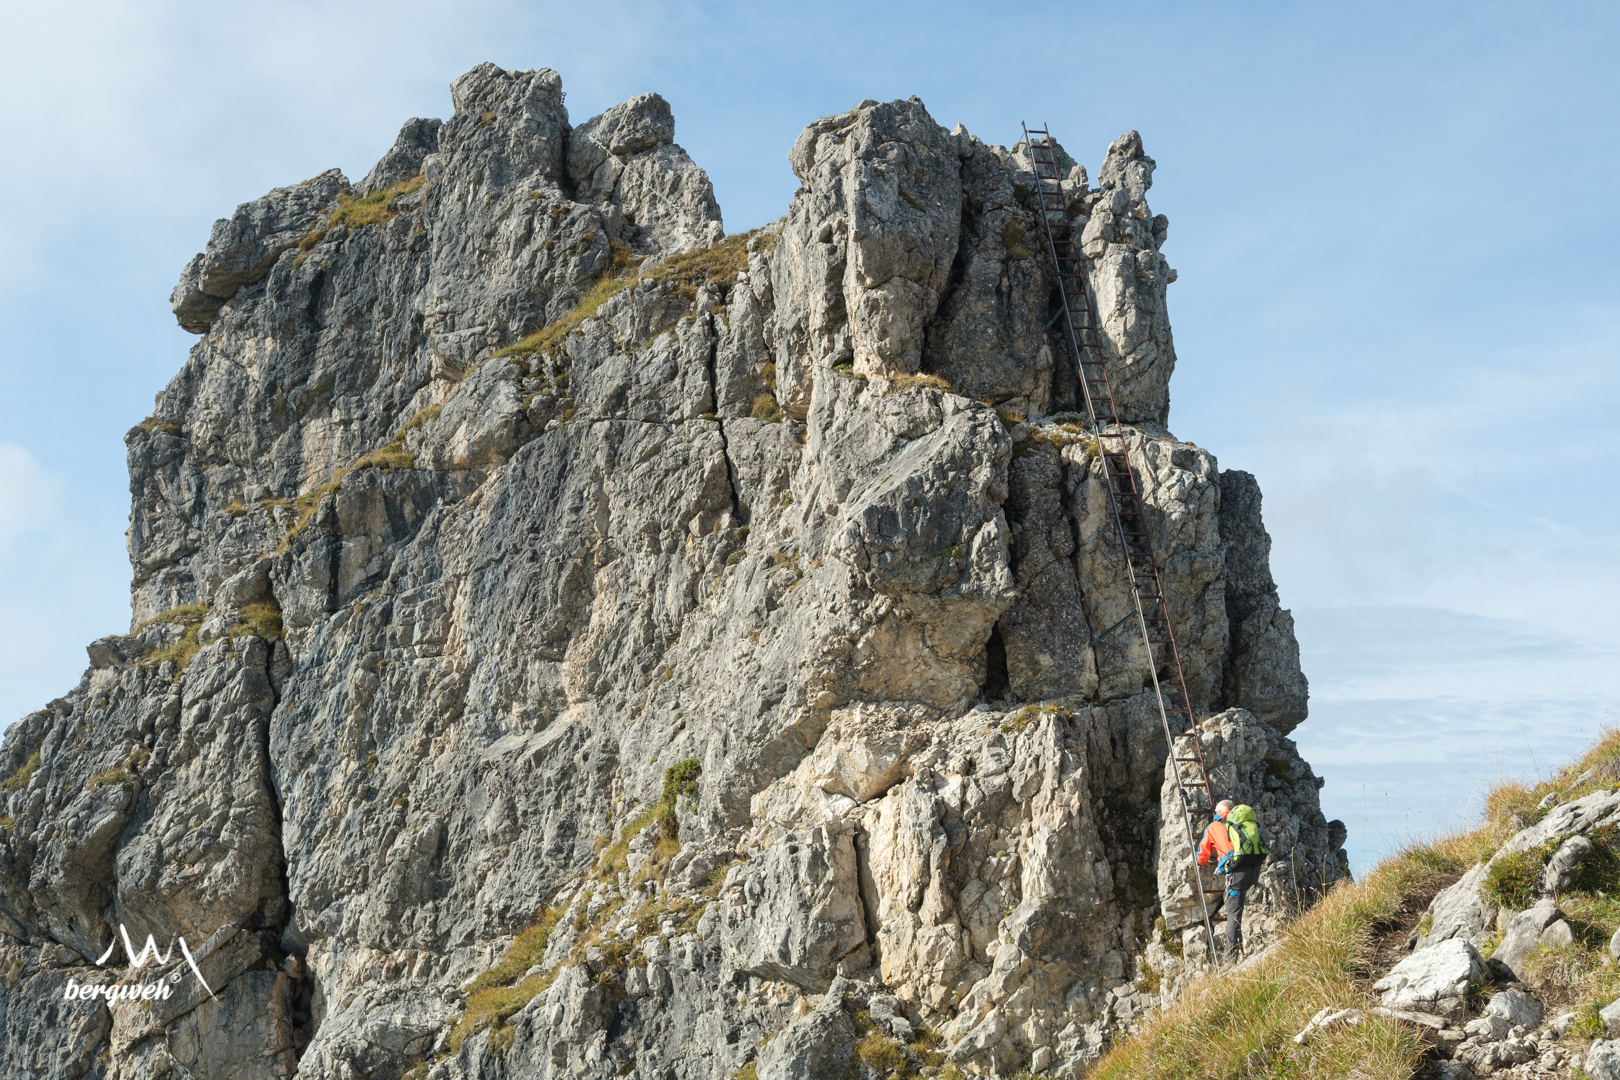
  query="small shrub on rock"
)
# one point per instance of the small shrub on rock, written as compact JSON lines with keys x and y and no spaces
{"x":881,"y":1054}
{"x":1514,"y":881}
{"x":765,"y":408}
{"x":1600,"y":871}
{"x":681,"y":779}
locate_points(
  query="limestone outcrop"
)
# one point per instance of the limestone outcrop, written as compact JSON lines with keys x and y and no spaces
{"x":568,"y":640}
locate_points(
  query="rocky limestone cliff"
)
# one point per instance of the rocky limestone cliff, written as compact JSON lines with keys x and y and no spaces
{"x":570,"y":641}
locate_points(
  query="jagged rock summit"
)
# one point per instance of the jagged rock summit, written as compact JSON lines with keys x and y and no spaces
{"x":568,"y":640}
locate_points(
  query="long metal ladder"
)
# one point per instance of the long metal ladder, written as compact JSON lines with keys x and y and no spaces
{"x":1195,"y":794}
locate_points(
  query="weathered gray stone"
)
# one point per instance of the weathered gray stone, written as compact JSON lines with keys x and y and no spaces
{"x":627,"y":157}
{"x":989,"y":341}
{"x":1492,"y":1027}
{"x":1578,"y":816}
{"x":1262,"y":669}
{"x":1565,"y":865}
{"x":794,"y":913}
{"x":817,"y":1046}
{"x":1602,"y":1061}
{"x":1488,"y":1057}
{"x":244,"y":247}
{"x":1610,"y":1014}
{"x":1432,"y":980}
{"x":886,"y":1012}
{"x":1559,"y":935}
{"x":417,"y":139}
{"x":1523,"y":936}
{"x":1434,"y":1031}
{"x":1516,"y":1006}
{"x":1460,"y":910}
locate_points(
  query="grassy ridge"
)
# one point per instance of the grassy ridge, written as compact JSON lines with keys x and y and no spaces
{"x":1241,"y":1025}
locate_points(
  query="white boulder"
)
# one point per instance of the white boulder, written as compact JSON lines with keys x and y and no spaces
{"x":1516,"y":1007}
{"x":1432,"y":980}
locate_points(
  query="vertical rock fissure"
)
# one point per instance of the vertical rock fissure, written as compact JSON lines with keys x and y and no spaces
{"x":958,"y":273}
{"x":334,"y":566}
{"x":737,"y":514}
{"x":866,"y":891}
{"x":1066,"y":489}
{"x":302,"y":997}
{"x":317,"y":285}
{"x":997,"y":684}
{"x":1066,"y":396}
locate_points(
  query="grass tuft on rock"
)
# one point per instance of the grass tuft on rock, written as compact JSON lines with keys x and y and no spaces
{"x":185,"y":614}
{"x":1012,"y":238}
{"x":681,"y":780}
{"x":920,"y":381}
{"x":19,"y":779}
{"x":153,"y":425}
{"x":183,"y":650}
{"x":261,"y":619}
{"x":765,"y":408}
{"x":716,"y":266}
{"x":548,"y":340}
{"x":880,"y":1053}
{"x":356,"y":211}
{"x":1514,"y":881}
{"x":492,"y":997}
{"x":115,"y":774}
{"x":496,"y":994}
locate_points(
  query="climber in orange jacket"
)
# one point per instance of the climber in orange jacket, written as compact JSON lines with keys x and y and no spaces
{"x":1216,"y":842}
{"x":1237,"y":850}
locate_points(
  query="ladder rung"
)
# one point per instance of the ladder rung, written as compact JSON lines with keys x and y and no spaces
{"x":1130,"y":515}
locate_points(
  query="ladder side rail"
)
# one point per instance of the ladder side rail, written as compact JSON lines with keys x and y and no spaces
{"x":1119,"y":527}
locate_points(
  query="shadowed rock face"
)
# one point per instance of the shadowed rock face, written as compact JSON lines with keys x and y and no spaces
{"x":421,"y":619}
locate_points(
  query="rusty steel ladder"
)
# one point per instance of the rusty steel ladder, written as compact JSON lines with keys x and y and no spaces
{"x":1194,"y":792}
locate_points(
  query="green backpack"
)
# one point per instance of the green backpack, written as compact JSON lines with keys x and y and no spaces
{"x":1243,"y":829}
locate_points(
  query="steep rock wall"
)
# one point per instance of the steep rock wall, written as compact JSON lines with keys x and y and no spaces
{"x":499,"y":483}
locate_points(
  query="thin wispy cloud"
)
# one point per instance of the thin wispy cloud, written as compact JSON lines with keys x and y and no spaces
{"x":28,"y":496}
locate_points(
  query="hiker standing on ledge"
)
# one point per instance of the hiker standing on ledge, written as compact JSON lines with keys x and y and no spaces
{"x":1233,"y":842}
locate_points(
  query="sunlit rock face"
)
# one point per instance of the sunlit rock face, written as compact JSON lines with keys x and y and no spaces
{"x":502,"y":482}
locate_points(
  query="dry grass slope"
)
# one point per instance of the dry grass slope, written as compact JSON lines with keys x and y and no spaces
{"x":1241,"y":1025}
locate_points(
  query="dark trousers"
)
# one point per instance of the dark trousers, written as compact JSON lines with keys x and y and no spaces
{"x":1238,"y":884}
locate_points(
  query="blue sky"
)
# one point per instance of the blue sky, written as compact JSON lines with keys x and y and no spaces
{"x":1395,"y":227}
